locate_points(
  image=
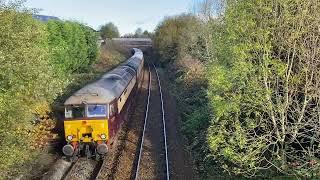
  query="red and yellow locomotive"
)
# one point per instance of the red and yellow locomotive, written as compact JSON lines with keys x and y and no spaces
{"x":94,"y":114}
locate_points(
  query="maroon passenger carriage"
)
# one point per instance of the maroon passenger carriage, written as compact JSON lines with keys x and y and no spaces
{"x":94,"y":114}
{"x":131,"y":76}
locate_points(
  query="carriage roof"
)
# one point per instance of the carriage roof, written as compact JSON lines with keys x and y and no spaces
{"x":110,"y":86}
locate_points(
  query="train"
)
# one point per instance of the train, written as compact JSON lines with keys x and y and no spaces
{"x":95,"y":113}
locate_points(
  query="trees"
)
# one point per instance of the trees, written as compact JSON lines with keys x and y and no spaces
{"x":72,"y":46}
{"x":208,"y":9}
{"x":36,"y":61}
{"x":262,"y":72}
{"x":25,"y":65}
{"x":176,"y":37}
{"x":138,"y":33}
{"x":109,"y":30}
{"x":147,"y":34}
{"x":263,"y":88}
{"x":93,"y":49}
{"x":181,"y":46}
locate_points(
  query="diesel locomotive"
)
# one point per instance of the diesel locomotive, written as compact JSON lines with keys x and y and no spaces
{"x":94,"y":114}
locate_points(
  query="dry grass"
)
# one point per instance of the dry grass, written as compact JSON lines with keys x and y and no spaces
{"x":109,"y":58}
{"x":194,"y":69}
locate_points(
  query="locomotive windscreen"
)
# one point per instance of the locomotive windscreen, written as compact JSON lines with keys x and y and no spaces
{"x":89,"y":111}
{"x":74,"y":112}
{"x":97,"y":110}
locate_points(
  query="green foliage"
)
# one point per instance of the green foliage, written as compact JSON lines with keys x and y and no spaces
{"x":93,"y":49}
{"x":259,"y":114}
{"x":146,"y":34}
{"x":73,"y":46}
{"x":180,"y":43}
{"x":109,"y":30}
{"x":36,"y":60}
{"x":138,"y":33}
{"x":259,"y":88}
{"x":24,"y":66}
{"x":176,"y":37}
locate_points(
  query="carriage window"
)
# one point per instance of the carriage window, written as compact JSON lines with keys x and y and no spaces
{"x":74,"y":112}
{"x":96,"y":110}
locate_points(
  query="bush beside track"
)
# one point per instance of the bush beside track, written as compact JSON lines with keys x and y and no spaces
{"x":179,"y":44}
{"x":41,"y":63}
{"x":247,"y":85}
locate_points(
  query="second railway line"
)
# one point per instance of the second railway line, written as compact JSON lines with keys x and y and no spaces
{"x":144,"y":154}
{"x":153,"y":162}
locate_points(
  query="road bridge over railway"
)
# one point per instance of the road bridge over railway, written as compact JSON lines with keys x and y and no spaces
{"x":144,"y":44}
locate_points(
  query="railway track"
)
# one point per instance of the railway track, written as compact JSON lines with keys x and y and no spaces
{"x":150,"y":159}
{"x":80,"y":169}
{"x":148,"y":146}
{"x":144,"y":154}
{"x":164,"y":125}
{"x":83,"y":169}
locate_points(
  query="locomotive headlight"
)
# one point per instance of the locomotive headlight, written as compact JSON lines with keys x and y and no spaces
{"x":103,"y":136}
{"x":69,"y":137}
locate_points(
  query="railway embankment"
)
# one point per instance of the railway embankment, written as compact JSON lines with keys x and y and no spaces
{"x":181,"y":161}
{"x":183,"y":61}
{"x":152,"y":163}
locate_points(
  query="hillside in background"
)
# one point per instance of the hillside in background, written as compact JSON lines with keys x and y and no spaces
{"x":44,"y":18}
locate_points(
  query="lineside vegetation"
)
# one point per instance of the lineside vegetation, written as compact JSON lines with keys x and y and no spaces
{"x":255,"y":112}
{"x":39,"y":62}
{"x":109,"y":31}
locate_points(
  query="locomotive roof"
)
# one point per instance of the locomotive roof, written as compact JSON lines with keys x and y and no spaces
{"x":110,"y":86}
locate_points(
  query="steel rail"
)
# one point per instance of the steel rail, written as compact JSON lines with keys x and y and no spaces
{"x":144,"y":126}
{"x":164,"y":125}
{"x":163,"y":122}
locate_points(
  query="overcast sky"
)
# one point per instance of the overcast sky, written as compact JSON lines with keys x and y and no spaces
{"x":128,"y":15}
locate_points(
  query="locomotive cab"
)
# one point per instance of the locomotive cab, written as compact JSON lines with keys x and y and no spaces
{"x":86,"y":129}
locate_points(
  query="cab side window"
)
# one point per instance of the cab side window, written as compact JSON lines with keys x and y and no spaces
{"x":112,"y":110}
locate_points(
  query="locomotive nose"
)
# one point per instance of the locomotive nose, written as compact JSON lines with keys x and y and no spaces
{"x":68,"y":150}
